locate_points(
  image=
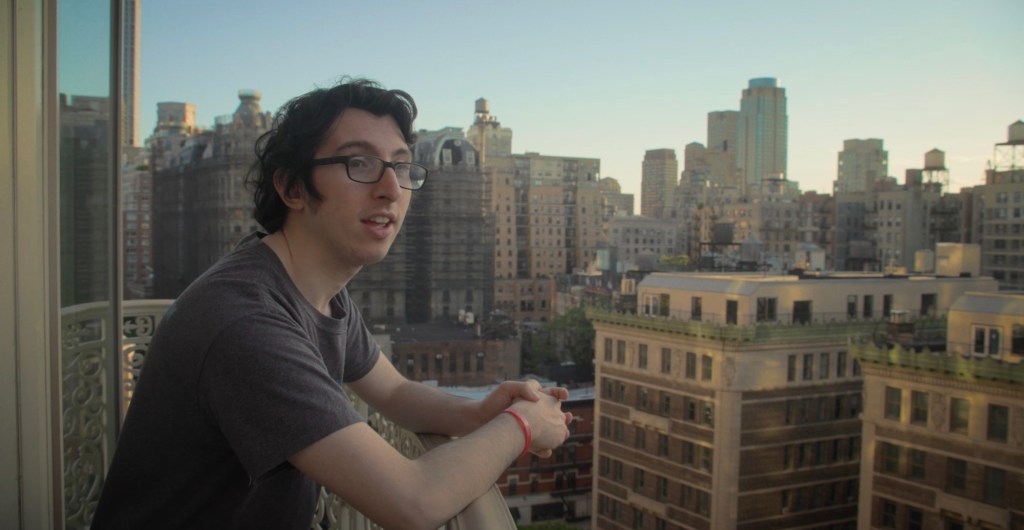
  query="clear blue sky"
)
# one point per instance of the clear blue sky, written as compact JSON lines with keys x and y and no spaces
{"x":611,"y":79}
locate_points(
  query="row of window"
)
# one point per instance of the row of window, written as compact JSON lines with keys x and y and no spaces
{"x":822,"y":408}
{"x":805,"y":366}
{"x":695,"y":410}
{"x":690,"y":371}
{"x":997,"y":420}
{"x":911,"y":463}
{"x":453,"y":363}
{"x":821,"y":452}
{"x":819,"y":496}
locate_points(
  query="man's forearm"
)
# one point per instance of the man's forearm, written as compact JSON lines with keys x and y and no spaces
{"x":422,"y":408}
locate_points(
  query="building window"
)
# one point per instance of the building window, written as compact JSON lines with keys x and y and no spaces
{"x":888,"y":514}
{"x":662,"y":487}
{"x":731,"y":311}
{"x":893,"y":404}
{"x":915,"y":519}
{"x":959,"y":415}
{"x":608,"y":350}
{"x":703,"y":503}
{"x":995,"y":484}
{"x":1017,"y":340}
{"x":851,"y":306}
{"x":641,"y":438}
{"x":956,"y":475}
{"x":791,"y":368}
{"x":695,"y":308}
{"x":916,"y":459}
{"x":666,"y":361}
{"x":705,"y":458}
{"x":918,"y":407}
{"x":479,"y":361}
{"x":886,"y":305}
{"x":841,"y":364}
{"x":890,"y":458}
{"x":666,"y":404}
{"x":808,"y":366}
{"x":869,"y":303}
{"x":620,"y":354}
{"x":928,"y":304}
{"x":986,"y":340}
{"x":662,"y":445}
{"x":641,"y":398}
{"x":998,"y":423}
{"x":691,"y":365}
{"x":642,"y":357}
{"x":823,"y":367}
{"x":802,"y":312}
{"x":705,"y":371}
{"x":638,"y":479}
{"x":766,"y":309}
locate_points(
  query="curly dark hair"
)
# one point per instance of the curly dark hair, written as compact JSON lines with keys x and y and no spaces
{"x":298,"y":129}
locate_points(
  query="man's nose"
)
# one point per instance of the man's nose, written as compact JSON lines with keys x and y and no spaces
{"x":387,"y":187}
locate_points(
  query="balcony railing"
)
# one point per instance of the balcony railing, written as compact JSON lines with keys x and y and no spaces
{"x":88,"y":444}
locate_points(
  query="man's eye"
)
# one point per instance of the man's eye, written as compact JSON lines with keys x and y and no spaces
{"x":358,"y":163}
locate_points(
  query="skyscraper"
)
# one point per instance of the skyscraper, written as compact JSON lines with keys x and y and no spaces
{"x":658,"y":183}
{"x":131,"y":18}
{"x":762,"y":132}
{"x":861,"y":163}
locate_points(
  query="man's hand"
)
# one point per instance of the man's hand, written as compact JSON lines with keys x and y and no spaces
{"x":549,"y":425}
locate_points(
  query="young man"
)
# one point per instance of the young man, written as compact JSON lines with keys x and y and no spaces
{"x":238,"y":414}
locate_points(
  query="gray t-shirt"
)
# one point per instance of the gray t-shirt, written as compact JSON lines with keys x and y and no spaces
{"x":242,"y":373}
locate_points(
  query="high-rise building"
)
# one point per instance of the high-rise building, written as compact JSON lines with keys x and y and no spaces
{"x":861,"y":164}
{"x":85,"y":125}
{"x":131,"y":60}
{"x":732,"y":400}
{"x":721,"y":146}
{"x":943,"y":444}
{"x":659,"y":177}
{"x":616,"y":202}
{"x":448,"y":232}
{"x":201,"y":204}
{"x":899,"y":217}
{"x":999,"y":212}
{"x":762,"y":132}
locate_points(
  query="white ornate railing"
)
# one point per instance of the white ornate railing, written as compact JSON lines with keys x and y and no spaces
{"x":87,"y":386}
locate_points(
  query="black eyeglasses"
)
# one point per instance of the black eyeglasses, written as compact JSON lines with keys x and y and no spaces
{"x":367,"y":169}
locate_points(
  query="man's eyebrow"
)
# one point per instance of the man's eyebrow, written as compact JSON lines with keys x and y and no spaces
{"x":361,"y":144}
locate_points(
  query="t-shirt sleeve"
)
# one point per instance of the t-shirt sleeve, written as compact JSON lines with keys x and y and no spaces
{"x":362,"y":350}
{"x":266,"y":387}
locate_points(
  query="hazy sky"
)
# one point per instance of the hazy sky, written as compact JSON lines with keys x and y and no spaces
{"x":613,"y":79}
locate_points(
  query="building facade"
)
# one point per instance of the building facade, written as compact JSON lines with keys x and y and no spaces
{"x":201,"y":205}
{"x":659,"y":177}
{"x":944,"y":427}
{"x":762,"y":132}
{"x":999,"y":211}
{"x":861,"y":163}
{"x":732,"y":401}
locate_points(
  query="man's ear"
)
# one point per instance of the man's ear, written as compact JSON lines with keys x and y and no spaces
{"x":293,"y":198}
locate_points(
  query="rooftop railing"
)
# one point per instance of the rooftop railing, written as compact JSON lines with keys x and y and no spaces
{"x":966,"y":367}
{"x":779,"y":329}
{"x":88,"y":388}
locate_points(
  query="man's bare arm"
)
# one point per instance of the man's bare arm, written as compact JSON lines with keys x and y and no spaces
{"x":361,"y":468}
{"x":422,"y":408}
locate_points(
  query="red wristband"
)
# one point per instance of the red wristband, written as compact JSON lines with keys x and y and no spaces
{"x":526,"y":429}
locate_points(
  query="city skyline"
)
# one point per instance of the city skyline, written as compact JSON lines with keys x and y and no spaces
{"x":614,"y":81}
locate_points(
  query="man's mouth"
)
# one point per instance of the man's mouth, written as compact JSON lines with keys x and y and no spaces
{"x":380,"y":220}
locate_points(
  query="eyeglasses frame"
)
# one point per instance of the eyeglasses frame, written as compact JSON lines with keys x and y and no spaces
{"x":343,"y":160}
